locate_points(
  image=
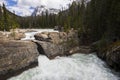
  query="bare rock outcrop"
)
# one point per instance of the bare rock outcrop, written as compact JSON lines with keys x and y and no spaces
{"x":111,"y":54}
{"x":12,"y":35}
{"x":15,"y":55}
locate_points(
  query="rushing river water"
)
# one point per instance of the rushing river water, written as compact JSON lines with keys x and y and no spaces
{"x":75,"y":67}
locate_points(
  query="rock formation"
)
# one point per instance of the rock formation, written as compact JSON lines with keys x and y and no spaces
{"x":59,"y":43}
{"x":15,"y":55}
{"x":111,"y":55}
{"x":11,"y":35}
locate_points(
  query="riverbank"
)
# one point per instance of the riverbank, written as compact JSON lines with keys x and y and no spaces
{"x":111,"y":55}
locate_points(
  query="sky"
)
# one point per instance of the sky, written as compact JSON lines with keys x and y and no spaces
{"x":26,"y":7}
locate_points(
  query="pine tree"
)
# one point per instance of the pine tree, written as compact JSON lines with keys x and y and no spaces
{"x":5,"y":15}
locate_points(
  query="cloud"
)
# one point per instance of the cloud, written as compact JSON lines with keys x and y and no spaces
{"x":3,"y":1}
{"x":25,"y":7}
{"x":28,"y":3}
{"x":56,"y":3}
{"x":20,"y":11}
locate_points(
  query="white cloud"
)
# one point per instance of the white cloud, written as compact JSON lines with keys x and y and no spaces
{"x":3,"y":1}
{"x":56,"y":3}
{"x":23,"y":7}
{"x":28,"y":3}
{"x":20,"y":11}
{"x":48,"y":3}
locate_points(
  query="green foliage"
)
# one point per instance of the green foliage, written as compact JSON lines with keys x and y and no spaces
{"x":8,"y":20}
{"x":103,"y":19}
{"x":100,"y":45}
{"x":72,"y":43}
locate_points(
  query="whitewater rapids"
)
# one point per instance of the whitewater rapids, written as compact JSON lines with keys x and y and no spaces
{"x":75,"y":67}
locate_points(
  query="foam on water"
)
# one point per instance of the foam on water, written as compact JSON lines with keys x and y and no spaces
{"x":75,"y":67}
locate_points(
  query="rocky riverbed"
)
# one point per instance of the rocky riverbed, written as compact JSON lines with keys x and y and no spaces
{"x":19,"y":55}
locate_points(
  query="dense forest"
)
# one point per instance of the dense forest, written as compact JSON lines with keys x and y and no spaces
{"x":95,"y":20}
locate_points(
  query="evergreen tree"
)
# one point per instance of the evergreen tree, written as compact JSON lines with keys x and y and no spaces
{"x":5,"y":15}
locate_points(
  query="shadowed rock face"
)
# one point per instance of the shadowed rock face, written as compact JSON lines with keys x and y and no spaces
{"x":15,"y":55}
{"x":52,"y":50}
{"x":113,"y":59}
{"x":112,"y":55}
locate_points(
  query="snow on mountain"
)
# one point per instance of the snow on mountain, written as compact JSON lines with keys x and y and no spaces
{"x":41,"y":10}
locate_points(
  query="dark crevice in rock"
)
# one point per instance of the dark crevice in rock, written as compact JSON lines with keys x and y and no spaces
{"x":12,"y":73}
{"x":40,"y":49}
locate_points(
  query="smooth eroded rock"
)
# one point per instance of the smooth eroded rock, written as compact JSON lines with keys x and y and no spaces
{"x":15,"y":55}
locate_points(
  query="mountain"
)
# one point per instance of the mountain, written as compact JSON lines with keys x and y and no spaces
{"x":41,"y":10}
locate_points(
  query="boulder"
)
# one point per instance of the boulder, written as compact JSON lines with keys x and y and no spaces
{"x":42,"y":37}
{"x":52,"y":50}
{"x":49,"y":49}
{"x":15,"y":55}
{"x":48,"y":37}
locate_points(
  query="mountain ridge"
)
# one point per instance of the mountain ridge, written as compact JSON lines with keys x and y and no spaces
{"x":42,"y":10}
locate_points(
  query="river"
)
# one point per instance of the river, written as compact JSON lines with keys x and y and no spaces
{"x":75,"y":67}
